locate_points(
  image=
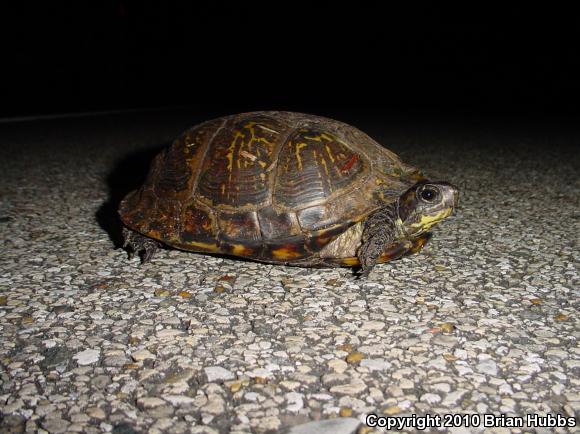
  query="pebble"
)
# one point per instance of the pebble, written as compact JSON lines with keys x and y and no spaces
{"x":55,"y":425}
{"x":430,"y":398}
{"x":290,"y":385}
{"x":178,"y":399}
{"x":488,"y":367}
{"x":87,"y":357}
{"x":392,"y":410}
{"x":96,"y":412}
{"x":268,"y":423}
{"x":150,"y":402}
{"x":215,"y":405}
{"x":405,"y":383}
{"x":353,"y":388}
{"x":375,"y":364}
{"x":453,"y":397}
{"x":141,"y":355}
{"x":373,"y":325}
{"x":337,"y":365}
{"x":167,"y":334}
{"x":354,"y":357}
{"x":217,"y":373}
{"x":295,"y":401}
{"x":345,"y":412}
{"x":343,"y":425}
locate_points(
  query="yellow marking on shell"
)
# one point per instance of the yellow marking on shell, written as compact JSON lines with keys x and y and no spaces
{"x":267,"y":129}
{"x":263,"y":176}
{"x":315,"y":138}
{"x":329,"y":153}
{"x":223,"y":189}
{"x":319,"y":137}
{"x":239,"y":250}
{"x":323,"y":161}
{"x":429,"y":220}
{"x":262,"y":163}
{"x":285,"y":253}
{"x":208,"y":247}
{"x":250,"y":126}
{"x":154,"y":234}
{"x":231,"y":150}
{"x":299,"y":146}
{"x":247,"y":155}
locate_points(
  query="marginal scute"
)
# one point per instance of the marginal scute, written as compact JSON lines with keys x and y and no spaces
{"x":198,"y":224}
{"x":248,"y":249}
{"x":277,"y":224}
{"x":314,"y":218}
{"x":286,"y":250}
{"x":164,"y":220}
{"x":322,"y":238}
{"x":136,"y":207}
{"x":239,"y":226}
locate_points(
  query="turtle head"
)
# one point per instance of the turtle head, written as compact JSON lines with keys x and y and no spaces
{"x":426,"y":204}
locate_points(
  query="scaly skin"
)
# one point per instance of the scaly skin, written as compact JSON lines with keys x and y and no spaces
{"x":380,"y":230}
{"x":138,"y":243}
{"x":401,"y":227}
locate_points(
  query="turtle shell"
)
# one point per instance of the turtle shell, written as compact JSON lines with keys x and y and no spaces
{"x":270,"y":186}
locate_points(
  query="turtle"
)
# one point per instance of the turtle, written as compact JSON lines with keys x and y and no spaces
{"x":284,"y":188}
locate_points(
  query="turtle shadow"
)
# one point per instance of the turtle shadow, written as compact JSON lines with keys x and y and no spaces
{"x":127,"y":174}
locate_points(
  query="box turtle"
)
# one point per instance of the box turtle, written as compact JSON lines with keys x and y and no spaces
{"x":284,"y":188}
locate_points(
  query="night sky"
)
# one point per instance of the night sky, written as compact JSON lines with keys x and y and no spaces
{"x":78,"y":56}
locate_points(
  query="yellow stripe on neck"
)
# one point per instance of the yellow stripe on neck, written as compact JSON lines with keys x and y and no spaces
{"x":429,"y":220}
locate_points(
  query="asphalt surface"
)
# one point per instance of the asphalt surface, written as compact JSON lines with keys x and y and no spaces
{"x":483,"y":321}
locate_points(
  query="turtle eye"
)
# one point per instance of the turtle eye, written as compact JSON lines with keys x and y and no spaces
{"x":428,"y":194}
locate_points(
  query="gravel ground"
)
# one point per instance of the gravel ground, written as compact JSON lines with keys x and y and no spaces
{"x":484,"y":320}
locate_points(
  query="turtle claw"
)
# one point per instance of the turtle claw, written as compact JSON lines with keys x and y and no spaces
{"x":150,"y":249}
{"x":136,"y":243}
{"x":362,"y":274}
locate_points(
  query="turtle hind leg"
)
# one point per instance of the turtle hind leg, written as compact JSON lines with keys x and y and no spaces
{"x":135,"y":243}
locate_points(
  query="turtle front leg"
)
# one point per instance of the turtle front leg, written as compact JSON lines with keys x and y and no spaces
{"x":390,"y":253}
{"x":379,"y":231}
{"x":135,"y":243}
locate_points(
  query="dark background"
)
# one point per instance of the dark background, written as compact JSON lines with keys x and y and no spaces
{"x":312,"y":56}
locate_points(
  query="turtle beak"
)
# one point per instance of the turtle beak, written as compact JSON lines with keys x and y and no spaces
{"x":450,"y":194}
